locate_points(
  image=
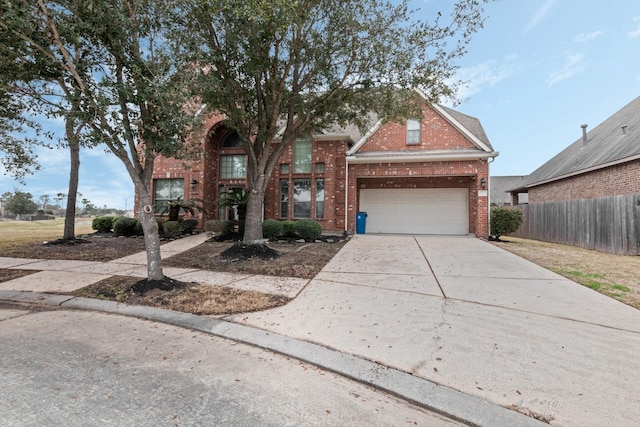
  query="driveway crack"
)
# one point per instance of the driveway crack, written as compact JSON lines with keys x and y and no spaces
{"x":424,"y":255}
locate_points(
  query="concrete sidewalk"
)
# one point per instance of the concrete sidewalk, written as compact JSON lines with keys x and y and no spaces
{"x":68,"y":276}
{"x":413,"y":314}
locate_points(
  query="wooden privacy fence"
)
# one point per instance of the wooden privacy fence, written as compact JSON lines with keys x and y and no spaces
{"x":606,"y":224}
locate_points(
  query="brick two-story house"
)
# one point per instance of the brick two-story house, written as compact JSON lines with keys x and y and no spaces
{"x":427,"y":176}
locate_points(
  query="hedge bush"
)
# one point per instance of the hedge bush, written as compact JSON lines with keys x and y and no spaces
{"x":504,"y":221}
{"x":271,"y":229}
{"x":188,"y":225}
{"x":289,"y":228}
{"x":223,"y":227}
{"x":102,"y":224}
{"x":172,"y":228}
{"x":308,"y":229}
{"x":125,"y":227}
{"x":114,"y":219}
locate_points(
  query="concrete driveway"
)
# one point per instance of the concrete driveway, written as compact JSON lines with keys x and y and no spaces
{"x":468,"y":315}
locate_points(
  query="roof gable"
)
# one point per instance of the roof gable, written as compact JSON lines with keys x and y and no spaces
{"x":616,"y":140}
{"x":468,"y":128}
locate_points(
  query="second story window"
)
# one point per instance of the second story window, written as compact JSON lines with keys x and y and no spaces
{"x":302,"y":155}
{"x":233,"y":166}
{"x":413,"y":132}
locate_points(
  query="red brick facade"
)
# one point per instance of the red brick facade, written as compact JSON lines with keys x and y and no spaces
{"x":615,"y":180}
{"x":344,"y":178}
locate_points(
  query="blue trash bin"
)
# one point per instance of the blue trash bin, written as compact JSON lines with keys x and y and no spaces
{"x":361,"y":222}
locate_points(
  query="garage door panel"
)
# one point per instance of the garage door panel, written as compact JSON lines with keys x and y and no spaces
{"x":416,"y":210}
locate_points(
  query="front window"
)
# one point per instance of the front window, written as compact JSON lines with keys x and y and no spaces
{"x":284,"y":198}
{"x":413,"y":132}
{"x":166,"y":190}
{"x":301,"y":198}
{"x":319,"y":198}
{"x":233,"y":166}
{"x":302,"y":155}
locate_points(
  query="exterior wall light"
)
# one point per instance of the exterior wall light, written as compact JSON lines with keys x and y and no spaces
{"x":194,"y":182}
{"x":483,"y":183}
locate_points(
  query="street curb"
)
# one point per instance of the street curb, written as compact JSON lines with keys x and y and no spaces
{"x":459,"y":406}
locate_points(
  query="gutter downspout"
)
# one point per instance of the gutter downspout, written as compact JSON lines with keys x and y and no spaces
{"x":346,"y":194}
{"x":489,"y":161}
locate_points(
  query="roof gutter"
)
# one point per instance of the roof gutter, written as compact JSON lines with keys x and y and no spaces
{"x":582,"y":171}
{"x":331,"y":136}
{"x":412,"y":158}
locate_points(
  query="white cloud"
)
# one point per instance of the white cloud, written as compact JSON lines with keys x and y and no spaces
{"x":585,"y":37}
{"x":54,"y":160}
{"x":540,"y":14}
{"x":572,"y":66}
{"x":488,"y":73}
{"x":636,"y":33}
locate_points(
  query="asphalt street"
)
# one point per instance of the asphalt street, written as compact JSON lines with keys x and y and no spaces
{"x":67,"y":367}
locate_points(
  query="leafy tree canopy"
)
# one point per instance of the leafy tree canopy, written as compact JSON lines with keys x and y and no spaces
{"x":108,"y":68}
{"x":279,"y":69}
{"x":19,"y":202}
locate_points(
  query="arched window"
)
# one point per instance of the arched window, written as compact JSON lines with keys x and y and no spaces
{"x":232,"y":141}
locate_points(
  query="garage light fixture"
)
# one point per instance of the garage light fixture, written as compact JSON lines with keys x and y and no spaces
{"x":483,"y":183}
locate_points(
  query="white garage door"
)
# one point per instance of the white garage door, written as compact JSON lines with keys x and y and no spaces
{"x":416,"y":210}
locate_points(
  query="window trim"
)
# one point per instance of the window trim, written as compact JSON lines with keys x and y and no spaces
{"x":228,"y":156}
{"x":307,"y":166}
{"x":412,"y":132}
{"x":319,"y":203}
{"x":159,"y":207}
{"x":298,"y":203}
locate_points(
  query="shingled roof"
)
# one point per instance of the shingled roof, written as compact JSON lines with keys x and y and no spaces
{"x":472,"y":124}
{"x":614,"y":141}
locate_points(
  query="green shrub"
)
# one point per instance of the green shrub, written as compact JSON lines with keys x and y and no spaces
{"x":289,"y":228}
{"x":172,"y":228}
{"x":219,"y":226}
{"x":114,"y":219}
{"x":125,"y":227}
{"x":272,"y":229}
{"x":308,"y":229}
{"x":504,"y":221}
{"x":188,"y":225}
{"x":102,"y":224}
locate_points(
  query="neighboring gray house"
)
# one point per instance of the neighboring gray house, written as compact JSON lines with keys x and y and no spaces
{"x":499,"y":190}
{"x":589,"y":194}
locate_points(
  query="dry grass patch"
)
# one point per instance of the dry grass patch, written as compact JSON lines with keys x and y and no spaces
{"x":188,"y":297}
{"x":212,"y":300}
{"x":616,"y":276}
{"x":17,"y":232}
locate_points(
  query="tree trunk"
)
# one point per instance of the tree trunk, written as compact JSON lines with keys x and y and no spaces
{"x":253,"y":221}
{"x":151,"y":235}
{"x":70,"y":213}
{"x":174,"y":213}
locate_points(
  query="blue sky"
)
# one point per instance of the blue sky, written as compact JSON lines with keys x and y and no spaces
{"x":536,"y":72}
{"x":541,"y":68}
